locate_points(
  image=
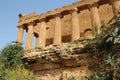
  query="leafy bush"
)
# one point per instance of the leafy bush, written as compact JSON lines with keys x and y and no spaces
{"x":106,"y":45}
{"x":20,"y":73}
{"x":11,"y":55}
{"x":11,"y":65}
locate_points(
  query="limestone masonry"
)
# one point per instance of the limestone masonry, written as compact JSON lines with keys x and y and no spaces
{"x":65,"y":24}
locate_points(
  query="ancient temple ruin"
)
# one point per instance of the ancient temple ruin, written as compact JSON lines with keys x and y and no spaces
{"x":65,"y":24}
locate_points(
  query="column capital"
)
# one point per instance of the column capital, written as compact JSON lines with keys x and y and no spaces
{"x":30,"y":24}
{"x":59,"y":15}
{"x":73,"y":10}
{"x":93,"y":5}
{"x":43,"y":20}
{"x":21,"y":26}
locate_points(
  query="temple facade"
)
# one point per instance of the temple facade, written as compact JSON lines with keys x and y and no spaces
{"x":67,"y":23}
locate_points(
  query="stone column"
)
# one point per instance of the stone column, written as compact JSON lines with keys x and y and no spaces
{"x":75,"y":25}
{"x":95,"y":16}
{"x":57,"y":30}
{"x":42,"y":34}
{"x":29,"y":39}
{"x":116,"y":6}
{"x":20,"y":34}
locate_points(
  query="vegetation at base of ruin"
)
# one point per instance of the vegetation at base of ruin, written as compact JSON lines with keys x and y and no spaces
{"x":107,"y":39}
{"x":11,"y":66}
{"x":105,"y":46}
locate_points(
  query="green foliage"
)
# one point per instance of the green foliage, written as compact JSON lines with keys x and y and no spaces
{"x":109,"y":70}
{"x":71,"y":78}
{"x":20,"y":73}
{"x":115,"y":36}
{"x":105,"y":46}
{"x":105,"y":41}
{"x":11,"y":65}
{"x":11,"y":55}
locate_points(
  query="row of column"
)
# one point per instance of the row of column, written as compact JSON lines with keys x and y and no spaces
{"x":41,"y":40}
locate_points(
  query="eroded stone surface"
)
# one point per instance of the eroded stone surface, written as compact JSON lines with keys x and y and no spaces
{"x":54,"y":61}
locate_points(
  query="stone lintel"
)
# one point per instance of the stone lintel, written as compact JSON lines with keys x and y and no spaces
{"x":31,"y":23}
{"x":28,"y":18}
{"x":20,"y":26}
{"x":93,"y":5}
{"x":44,"y":20}
{"x":30,"y":15}
{"x":58,"y":15}
{"x":33,"y":16}
{"x":74,"y":10}
{"x":101,"y":2}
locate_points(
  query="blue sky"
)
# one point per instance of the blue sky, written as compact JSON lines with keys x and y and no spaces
{"x":9,"y":10}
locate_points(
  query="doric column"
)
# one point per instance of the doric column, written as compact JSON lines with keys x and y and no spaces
{"x":41,"y":40}
{"x":29,"y":39}
{"x":116,"y":6}
{"x":75,"y":25}
{"x":20,"y":34}
{"x":95,"y":16}
{"x":57,"y":30}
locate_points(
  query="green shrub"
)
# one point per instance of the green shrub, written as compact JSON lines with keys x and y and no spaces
{"x":11,"y":55}
{"x":106,"y":45}
{"x":11,"y":65}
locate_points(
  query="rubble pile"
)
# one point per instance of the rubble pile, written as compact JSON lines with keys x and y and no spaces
{"x":68,"y":54}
